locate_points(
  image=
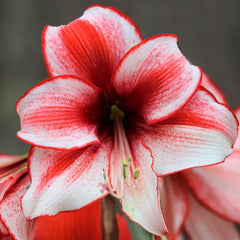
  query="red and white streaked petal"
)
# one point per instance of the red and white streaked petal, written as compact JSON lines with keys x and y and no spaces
{"x":212,"y":87}
{"x":218,"y":186}
{"x":8,"y":160}
{"x":140,"y":200}
{"x":65,"y":180}
{"x":91,"y":46}
{"x":11,"y":212}
{"x":237,"y":143}
{"x":201,"y":133}
{"x":10,"y":175}
{"x":152,"y":77}
{"x":60,"y":113}
{"x":203,"y":224}
{"x":174,"y":203}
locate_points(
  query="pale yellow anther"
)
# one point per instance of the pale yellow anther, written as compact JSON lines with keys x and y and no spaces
{"x":124,"y":169}
{"x":129,"y":159}
{"x":104,"y":175}
{"x":136,"y":173}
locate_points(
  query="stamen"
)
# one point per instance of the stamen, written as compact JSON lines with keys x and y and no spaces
{"x":125,"y":165}
{"x":122,"y":162}
{"x":136,"y":173}
{"x":104,"y":175}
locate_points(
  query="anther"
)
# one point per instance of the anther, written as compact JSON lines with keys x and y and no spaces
{"x":104,"y":175}
{"x":136,"y":173}
{"x":125,"y":165}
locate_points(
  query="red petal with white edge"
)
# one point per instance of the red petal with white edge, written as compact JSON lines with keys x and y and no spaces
{"x":60,"y":113}
{"x":65,"y":180}
{"x":11,"y":212}
{"x":81,"y":224}
{"x":153,"y":76}
{"x":203,"y":224}
{"x":140,"y":200}
{"x":174,"y":203}
{"x":91,"y":46}
{"x":218,"y":187}
{"x":212,"y":87}
{"x":237,"y":143}
{"x":201,"y":133}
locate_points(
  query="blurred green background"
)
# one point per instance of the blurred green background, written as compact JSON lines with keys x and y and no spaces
{"x":208,"y":30}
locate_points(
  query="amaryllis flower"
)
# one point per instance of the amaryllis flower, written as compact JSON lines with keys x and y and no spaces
{"x":204,"y":201}
{"x":116,"y":112}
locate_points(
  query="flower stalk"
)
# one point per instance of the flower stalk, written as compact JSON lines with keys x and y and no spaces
{"x":109,"y":221}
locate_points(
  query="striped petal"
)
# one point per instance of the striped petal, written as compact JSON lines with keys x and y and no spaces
{"x":174,"y":203}
{"x":91,"y":46}
{"x":218,"y":186}
{"x":201,"y":133}
{"x":212,"y":87}
{"x":65,"y":180}
{"x":203,"y":224}
{"x":152,"y":77}
{"x":237,"y":143}
{"x":11,"y":211}
{"x":140,"y":200}
{"x":8,"y":160}
{"x":10,"y":175}
{"x":60,"y":113}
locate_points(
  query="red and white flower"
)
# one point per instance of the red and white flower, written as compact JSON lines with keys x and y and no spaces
{"x":204,"y":201}
{"x":116,"y":112}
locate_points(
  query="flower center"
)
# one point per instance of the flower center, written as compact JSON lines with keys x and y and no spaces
{"x":123,"y":169}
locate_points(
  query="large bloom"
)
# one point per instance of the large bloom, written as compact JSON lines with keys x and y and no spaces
{"x":204,"y":201}
{"x":116,"y":112}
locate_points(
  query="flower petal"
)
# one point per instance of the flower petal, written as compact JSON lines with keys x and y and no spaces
{"x":6,"y":183}
{"x":65,"y":180}
{"x":140,"y":200}
{"x":81,"y":224}
{"x":60,"y":113}
{"x":174,"y":203}
{"x":152,"y":77}
{"x":201,"y":133}
{"x":91,"y":46}
{"x":237,"y":143}
{"x":203,"y":224}
{"x":123,"y":230}
{"x":212,"y":87}
{"x":11,"y":212}
{"x":218,"y":186}
{"x":3,"y":230}
{"x":8,"y":160}
{"x":10,"y":174}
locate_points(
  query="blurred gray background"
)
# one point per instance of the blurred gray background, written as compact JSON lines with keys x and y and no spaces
{"x":208,"y":30}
